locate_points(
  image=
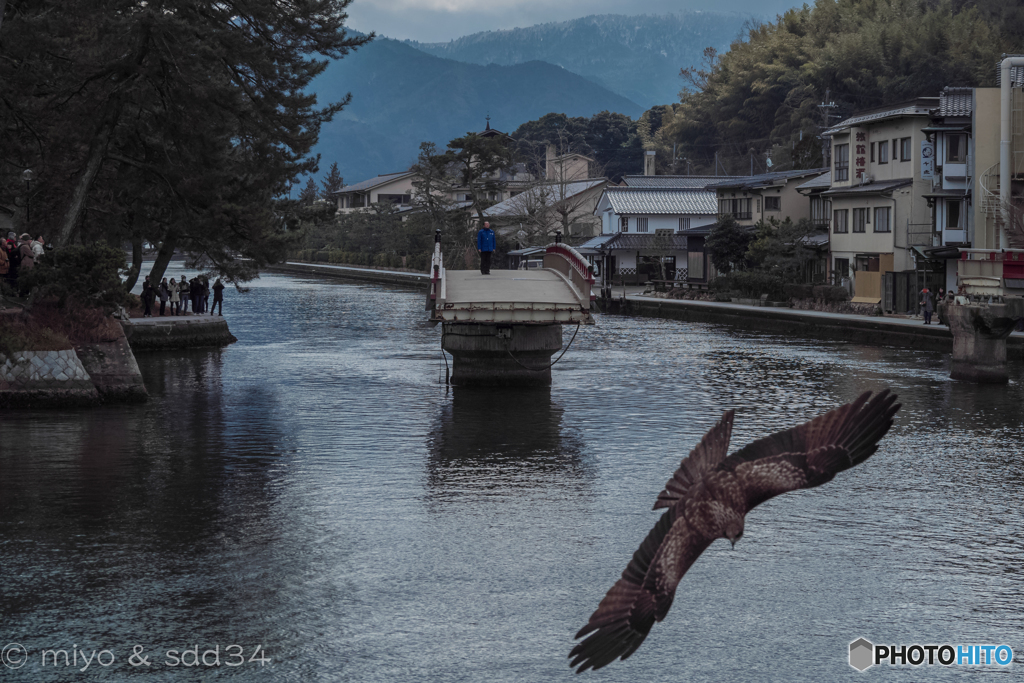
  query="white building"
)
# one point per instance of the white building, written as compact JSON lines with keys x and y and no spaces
{"x":642,"y":230}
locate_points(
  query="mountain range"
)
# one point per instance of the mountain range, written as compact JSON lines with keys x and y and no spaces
{"x":406,"y":93}
{"x":638,"y":57}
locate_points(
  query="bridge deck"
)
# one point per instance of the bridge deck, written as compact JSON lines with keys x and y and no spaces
{"x":508,"y":286}
{"x":527,"y":296}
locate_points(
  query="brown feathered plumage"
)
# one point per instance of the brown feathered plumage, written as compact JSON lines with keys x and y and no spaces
{"x":708,"y":497}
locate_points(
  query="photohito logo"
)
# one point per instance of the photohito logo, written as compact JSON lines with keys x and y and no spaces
{"x":864,"y":654}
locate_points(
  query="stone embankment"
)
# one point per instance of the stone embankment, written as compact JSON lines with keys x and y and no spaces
{"x":85,"y":375}
{"x":42,"y":378}
{"x":379,"y":276}
{"x":177,"y":332}
{"x":103,"y":372}
{"x":862,"y":329}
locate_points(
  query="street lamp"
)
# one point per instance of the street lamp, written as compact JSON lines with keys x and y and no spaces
{"x":28,"y":175}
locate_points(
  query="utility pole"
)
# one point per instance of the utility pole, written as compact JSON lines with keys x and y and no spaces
{"x":825,"y":109}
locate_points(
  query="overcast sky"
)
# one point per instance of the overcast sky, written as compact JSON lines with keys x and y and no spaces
{"x":442,"y":20}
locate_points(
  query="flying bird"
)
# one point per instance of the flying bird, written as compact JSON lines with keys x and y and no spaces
{"x":707,"y":499}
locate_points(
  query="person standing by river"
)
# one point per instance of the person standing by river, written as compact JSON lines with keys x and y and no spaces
{"x":147,"y":298}
{"x":927,"y":305}
{"x":172,"y":288}
{"x":218,"y":297}
{"x":485,"y":245}
{"x":164,"y":294}
{"x":184,"y":294}
{"x":195,"y":288}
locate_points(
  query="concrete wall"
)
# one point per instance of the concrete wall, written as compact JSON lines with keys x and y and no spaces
{"x":178,"y":333}
{"x":985,"y":144}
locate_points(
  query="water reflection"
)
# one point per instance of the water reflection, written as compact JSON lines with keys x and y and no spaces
{"x":501,"y":440}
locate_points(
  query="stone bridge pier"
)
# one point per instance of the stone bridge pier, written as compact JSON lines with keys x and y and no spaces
{"x":979,"y":338}
{"x":501,"y":355}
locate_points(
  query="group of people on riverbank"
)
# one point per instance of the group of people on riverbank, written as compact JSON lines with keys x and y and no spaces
{"x":180,"y":294}
{"x":18,"y":254}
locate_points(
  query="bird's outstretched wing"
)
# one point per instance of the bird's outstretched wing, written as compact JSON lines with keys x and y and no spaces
{"x":644,"y":593}
{"x":812,"y":454}
{"x":804,"y":456}
{"x":642,"y":596}
{"x":707,"y":455}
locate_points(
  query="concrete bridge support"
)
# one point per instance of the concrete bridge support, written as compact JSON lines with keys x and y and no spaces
{"x":494,"y":355}
{"x":979,"y":338}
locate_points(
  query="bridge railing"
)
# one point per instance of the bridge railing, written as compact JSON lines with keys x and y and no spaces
{"x":570,"y":263}
{"x":437,"y":292}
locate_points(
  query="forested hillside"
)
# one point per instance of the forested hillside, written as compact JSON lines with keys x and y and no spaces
{"x":402,"y":97}
{"x":638,"y":57}
{"x":763,"y":94}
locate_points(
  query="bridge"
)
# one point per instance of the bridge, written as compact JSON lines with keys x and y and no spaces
{"x":502,"y":329}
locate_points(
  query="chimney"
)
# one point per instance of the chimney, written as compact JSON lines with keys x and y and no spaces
{"x":649,"y":163}
{"x":550,"y":172}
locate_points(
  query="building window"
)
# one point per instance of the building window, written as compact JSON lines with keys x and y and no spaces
{"x":905,"y":149}
{"x":860,"y":217}
{"x":842,"y":269}
{"x":842,"y":163}
{"x":882,"y":220}
{"x":737,"y":208}
{"x":773,"y":203}
{"x":840,"y":220}
{"x":821,"y":211}
{"x":624,"y":224}
{"x":684,"y":222}
{"x":641,"y":224}
{"x":395,"y":198}
{"x":953,"y":216}
{"x":883,"y":152}
{"x":956,"y":149}
{"x":872,"y":152}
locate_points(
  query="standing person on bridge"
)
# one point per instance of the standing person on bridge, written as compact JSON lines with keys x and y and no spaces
{"x":485,"y":245}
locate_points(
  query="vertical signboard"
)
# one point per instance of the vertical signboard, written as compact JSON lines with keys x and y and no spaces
{"x":927,"y":160}
{"x":859,"y":153}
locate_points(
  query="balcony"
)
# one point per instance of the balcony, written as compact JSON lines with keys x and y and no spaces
{"x":738,"y":215}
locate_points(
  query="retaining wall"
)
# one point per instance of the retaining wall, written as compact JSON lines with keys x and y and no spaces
{"x":864,"y":330}
{"x":385,"y":277}
{"x":177,"y":332}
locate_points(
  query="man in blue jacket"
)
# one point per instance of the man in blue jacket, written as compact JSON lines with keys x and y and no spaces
{"x":485,"y":245}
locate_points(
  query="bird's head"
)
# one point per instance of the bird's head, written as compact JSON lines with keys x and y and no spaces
{"x":733,"y":527}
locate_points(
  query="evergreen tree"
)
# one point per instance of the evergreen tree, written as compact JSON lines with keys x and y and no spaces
{"x":309,"y":193}
{"x":332,"y":182}
{"x":172,"y":121}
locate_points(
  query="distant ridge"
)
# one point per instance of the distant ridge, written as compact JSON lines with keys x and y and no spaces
{"x":402,"y":96}
{"x":638,"y":57}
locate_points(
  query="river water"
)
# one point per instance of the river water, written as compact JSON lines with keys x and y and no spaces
{"x":313,"y":490}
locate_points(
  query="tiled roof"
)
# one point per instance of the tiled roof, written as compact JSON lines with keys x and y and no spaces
{"x":373,"y":182}
{"x":627,"y":240}
{"x":764,"y":179}
{"x":652,"y":201}
{"x":693,"y":182}
{"x":596,"y":242}
{"x":871,"y":188}
{"x":922,"y":106}
{"x":822,"y":182}
{"x":633,"y":242}
{"x":542,"y":195}
{"x":956,"y":101}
